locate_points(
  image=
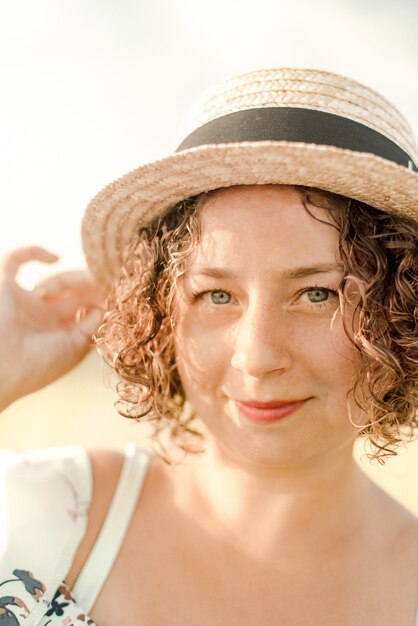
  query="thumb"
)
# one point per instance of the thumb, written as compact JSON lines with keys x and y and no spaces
{"x":81,"y":334}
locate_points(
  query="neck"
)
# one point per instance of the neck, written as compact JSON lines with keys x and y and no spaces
{"x":269,"y":508}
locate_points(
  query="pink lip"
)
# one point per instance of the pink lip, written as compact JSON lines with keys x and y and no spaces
{"x":267,"y":411}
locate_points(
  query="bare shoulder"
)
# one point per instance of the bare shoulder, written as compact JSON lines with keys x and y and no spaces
{"x":402,"y":549}
{"x":408,"y":530}
{"x":400,"y":524}
{"x":106,"y":468}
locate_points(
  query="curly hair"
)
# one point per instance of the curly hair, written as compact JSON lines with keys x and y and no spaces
{"x":379,"y":255}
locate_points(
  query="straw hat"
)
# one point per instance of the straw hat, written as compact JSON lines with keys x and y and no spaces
{"x":280,"y":126}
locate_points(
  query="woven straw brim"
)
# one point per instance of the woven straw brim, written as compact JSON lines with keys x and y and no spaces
{"x":113,"y":217}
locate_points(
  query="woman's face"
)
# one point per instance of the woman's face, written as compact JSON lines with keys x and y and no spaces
{"x":260,"y":345}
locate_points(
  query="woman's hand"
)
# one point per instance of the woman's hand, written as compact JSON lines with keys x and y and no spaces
{"x":41,"y":337}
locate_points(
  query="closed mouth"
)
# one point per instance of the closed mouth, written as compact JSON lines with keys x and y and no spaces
{"x":274,"y":404}
{"x":268,"y":411}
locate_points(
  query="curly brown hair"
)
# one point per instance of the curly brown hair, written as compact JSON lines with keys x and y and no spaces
{"x":379,"y":254}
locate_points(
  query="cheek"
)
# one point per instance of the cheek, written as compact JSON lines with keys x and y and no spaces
{"x":327,"y":353}
{"x":201,"y":355}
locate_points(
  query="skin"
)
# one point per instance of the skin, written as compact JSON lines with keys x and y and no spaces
{"x":273,"y":524}
{"x":268,"y":341}
{"x":44,"y":339}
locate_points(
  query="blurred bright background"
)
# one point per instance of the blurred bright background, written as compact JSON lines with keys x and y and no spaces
{"x":93,"y":88}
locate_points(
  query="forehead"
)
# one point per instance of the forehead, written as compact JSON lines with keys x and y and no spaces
{"x":268,"y":221}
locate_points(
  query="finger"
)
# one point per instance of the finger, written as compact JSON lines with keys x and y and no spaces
{"x":81,"y":334}
{"x":71,"y":307}
{"x":12,"y":261}
{"x":65,"y":309}
{"x":76,"y":280}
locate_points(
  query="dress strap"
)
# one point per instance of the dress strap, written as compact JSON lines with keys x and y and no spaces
{"x":105,"y":550}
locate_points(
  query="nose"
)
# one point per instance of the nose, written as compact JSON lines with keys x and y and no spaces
{"x":261,"y":341}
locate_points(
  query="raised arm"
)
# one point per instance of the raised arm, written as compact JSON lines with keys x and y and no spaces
{"x":42,"y":335}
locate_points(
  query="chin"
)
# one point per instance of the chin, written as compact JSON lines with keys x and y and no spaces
{"x":245,"y":449}
{"x":277,"y":448}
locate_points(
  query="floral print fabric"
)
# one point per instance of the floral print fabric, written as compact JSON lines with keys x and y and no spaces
{"x":62,"y":610}
{"x":44,"y":501}
{"x":13,"y":607}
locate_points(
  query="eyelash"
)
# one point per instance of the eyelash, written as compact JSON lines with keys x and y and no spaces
{"x":316,"y":305}
{"x":198,"y":295}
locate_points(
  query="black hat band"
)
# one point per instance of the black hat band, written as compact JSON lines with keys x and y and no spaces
{"x":299,"y":125}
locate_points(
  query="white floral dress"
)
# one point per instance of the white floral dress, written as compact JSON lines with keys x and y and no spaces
{"x":44,"y":501}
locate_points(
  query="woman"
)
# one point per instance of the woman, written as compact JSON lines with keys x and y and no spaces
{"x":275,"y":303}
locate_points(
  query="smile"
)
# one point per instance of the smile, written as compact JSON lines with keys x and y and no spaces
{"x":267,"y":411}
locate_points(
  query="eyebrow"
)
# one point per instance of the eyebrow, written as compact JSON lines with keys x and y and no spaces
{"x":289,"y":274}
{"x":309,"y":270}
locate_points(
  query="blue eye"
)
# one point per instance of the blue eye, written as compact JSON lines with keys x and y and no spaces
{"x":220,"y":297}
{"x":317,"y":295}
